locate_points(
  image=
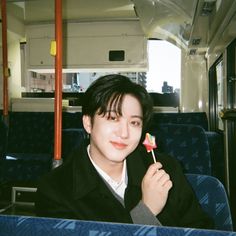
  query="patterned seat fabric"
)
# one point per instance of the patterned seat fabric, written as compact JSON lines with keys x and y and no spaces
{"x":3,"y":143}
{"x":3,"y":139}
{"x":37,"y":226}
{"x":31,"y":132}
{"x":26,"y":167}
{"x":213,"y":199}
{"x":71,"y":138}
{"x":216,"y":144}
{"x":30,"y":143}
{"x":187,"y":143}
{"x":29,"y":147}
{"x":72,"y":120}
{"x":190,"y":118}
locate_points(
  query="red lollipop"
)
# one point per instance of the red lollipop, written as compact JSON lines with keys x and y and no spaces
{"x":150,"y":144}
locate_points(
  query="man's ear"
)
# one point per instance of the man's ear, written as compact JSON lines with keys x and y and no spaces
{"x":87,"y":123}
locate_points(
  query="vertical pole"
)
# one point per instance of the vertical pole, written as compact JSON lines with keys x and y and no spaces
{"x":4,"y":60}
{"x":58,"y":85}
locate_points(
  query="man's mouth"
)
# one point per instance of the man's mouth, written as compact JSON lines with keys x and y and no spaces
{"x":119,"y":145}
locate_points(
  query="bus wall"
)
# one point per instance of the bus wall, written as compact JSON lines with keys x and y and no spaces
{"x":194,"y":71}
{"x":14,"y":79}
{"x":194,"y":83}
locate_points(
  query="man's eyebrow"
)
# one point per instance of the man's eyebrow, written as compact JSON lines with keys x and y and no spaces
{"x":137,"y":116}
{"x":117,"y":112}
{"x":108,"y":112}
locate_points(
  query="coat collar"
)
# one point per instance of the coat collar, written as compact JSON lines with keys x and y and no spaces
{"x":86,"y":179}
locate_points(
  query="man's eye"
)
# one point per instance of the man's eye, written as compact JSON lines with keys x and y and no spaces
{"x":136,"y":123}
{"x":112,"y":117}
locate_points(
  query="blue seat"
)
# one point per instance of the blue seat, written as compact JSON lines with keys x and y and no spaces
{"x":29,"y":148}
{"x":71,"y":138}
{"x":190,"y":118}
{"x":31,"y":132}
{"x":37,"y":226}
{"x":25,"y":167}
{"x":216,"y":144}
{"x":3,"y":138}
{"x":72,"y":120}
{"x":213,"y":199}
{"x":187,"y":143}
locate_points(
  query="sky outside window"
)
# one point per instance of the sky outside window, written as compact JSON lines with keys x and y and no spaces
{"x":164,"y":65}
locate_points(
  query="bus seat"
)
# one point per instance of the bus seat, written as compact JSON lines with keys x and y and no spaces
{"x":31,"y":132}
{"x":3,"y":139}
{"x":21,"y":169}
{"x":72,"y":120}
{"x":213,"y":199}
{"x":187,"y":143}
{"x":29,"y":150}
{"x":165,"y":99}
{"x":37,"y":226}
{"x":29,"y":146}
{"x":71,"y":138}
{"x":191,"y":118}
{"x":216,"y":144}
{"x":25,"y":167}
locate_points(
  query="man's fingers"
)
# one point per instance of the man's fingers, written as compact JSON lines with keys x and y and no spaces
{"x":152,"y":170}
{"x":163,"y":179}
{"x":168,"y":185}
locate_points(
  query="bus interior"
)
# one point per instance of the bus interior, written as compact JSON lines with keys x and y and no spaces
{"x":108,"y":36}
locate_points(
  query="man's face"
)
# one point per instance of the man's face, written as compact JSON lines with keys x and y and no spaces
{"x":114,"y":137}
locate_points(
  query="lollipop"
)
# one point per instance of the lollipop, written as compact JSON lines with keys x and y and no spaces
{"x":150,"y":144}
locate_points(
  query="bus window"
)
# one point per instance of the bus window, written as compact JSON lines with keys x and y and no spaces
{"x":220,"y":90}
{"x":163,"y":75}
{"x":164,"y":71}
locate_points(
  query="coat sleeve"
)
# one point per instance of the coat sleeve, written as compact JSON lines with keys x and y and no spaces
{"x":141,"y":214}
{"x":182,"y":208}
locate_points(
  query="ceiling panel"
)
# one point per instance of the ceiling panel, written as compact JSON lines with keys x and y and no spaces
{"x":76,"y":10}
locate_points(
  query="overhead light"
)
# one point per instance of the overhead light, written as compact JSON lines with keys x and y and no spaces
{"x":192,"y":51}
{"x":207,"y":7}
{"x":196,"y":41}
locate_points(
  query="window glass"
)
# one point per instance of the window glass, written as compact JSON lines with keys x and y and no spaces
{"x":164,"y":71}
{"x":163,"y":75}
{"x":220,"y":90}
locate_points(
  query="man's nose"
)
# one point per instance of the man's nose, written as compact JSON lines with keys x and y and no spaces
{"x":124,"y":129}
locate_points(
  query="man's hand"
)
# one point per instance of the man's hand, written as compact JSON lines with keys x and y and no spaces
{"x":155,"y":187}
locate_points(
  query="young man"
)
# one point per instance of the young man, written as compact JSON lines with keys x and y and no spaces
{"x":113,"y":178}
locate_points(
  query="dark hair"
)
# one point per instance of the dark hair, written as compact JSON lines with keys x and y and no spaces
{"x":108,"y":91}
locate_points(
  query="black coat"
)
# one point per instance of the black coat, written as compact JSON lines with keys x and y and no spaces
{"x":76,"y":191}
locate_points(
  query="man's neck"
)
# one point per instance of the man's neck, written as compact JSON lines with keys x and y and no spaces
{"x":114,"y":170}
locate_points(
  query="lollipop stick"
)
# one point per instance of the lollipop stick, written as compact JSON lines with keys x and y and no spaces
{"x":154,"y":157}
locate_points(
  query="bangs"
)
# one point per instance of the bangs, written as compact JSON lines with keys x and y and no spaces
{"x":113,"y":104}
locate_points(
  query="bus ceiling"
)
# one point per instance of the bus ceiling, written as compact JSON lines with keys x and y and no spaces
{"x":194,"y":25}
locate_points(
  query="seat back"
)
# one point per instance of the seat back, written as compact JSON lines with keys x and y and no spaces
{"x":188,"y":118}
{"x":3,"y":139}
{"x":216,"y":144}
{"x":71,"y":138}
{"x":31,"y":132}
{"x":37,"y":226}
{"x":213,"y":199}
{"x":187,"y":143}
